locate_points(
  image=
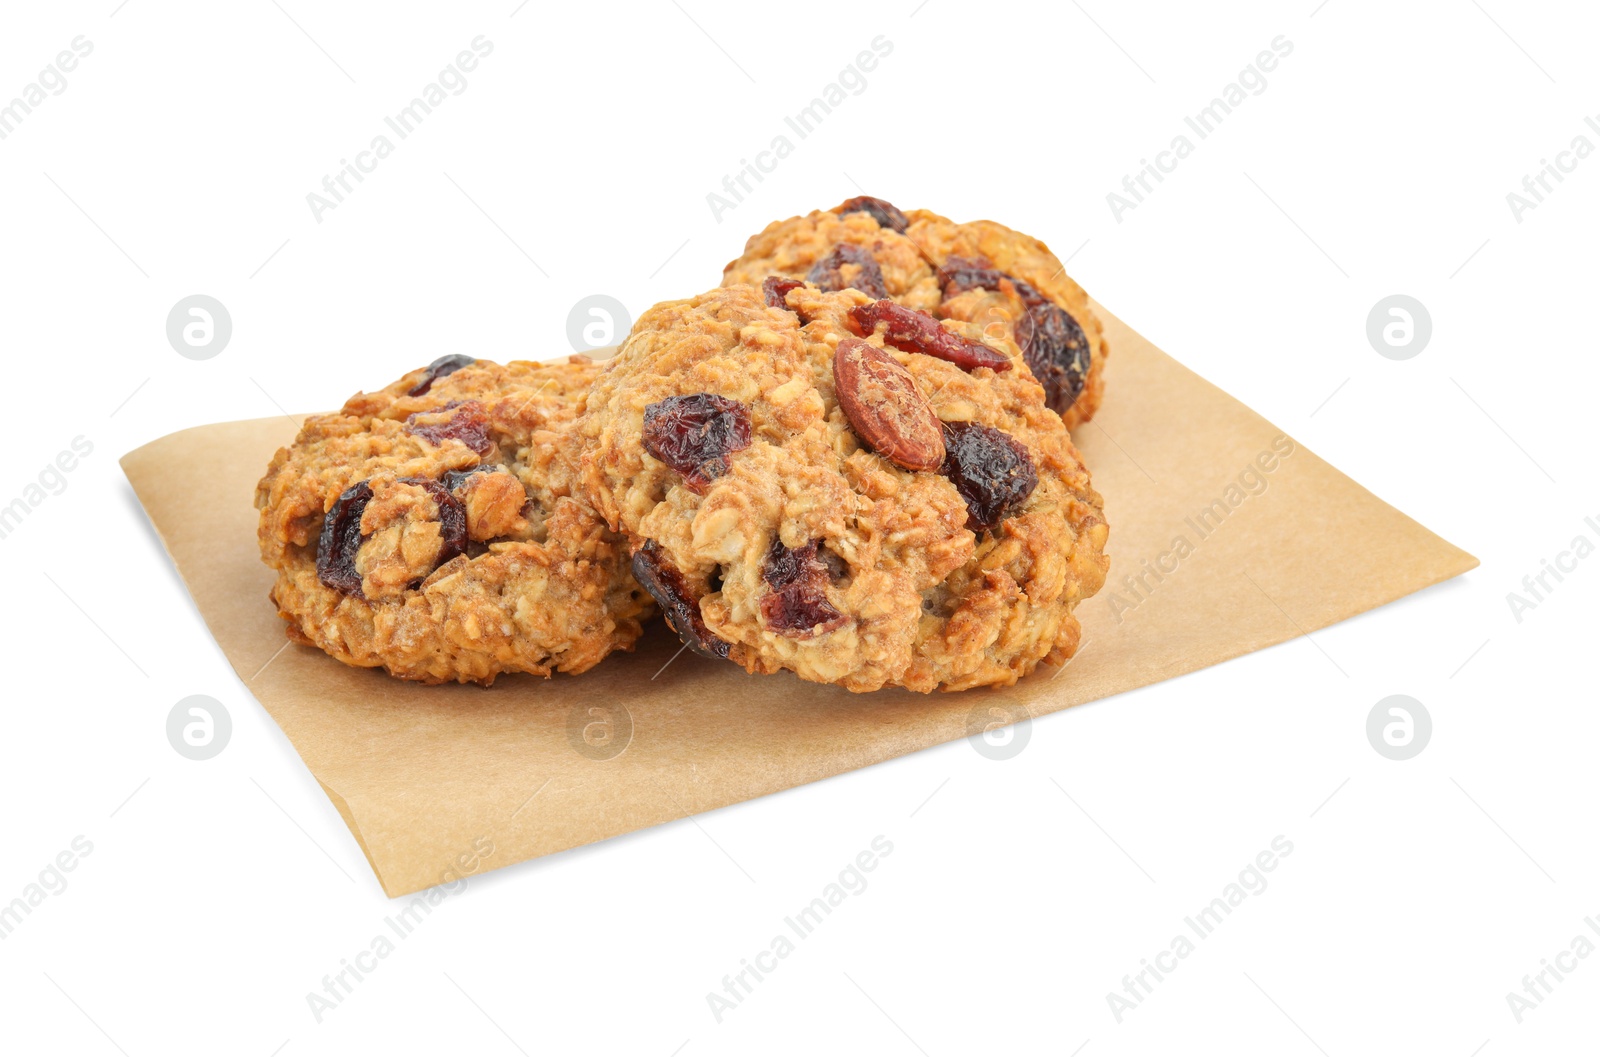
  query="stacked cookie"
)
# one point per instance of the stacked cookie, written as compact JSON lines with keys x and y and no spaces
{"x":981,"y":273}
{"x":850,"y":461}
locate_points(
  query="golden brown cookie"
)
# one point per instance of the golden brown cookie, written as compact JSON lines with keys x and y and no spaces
{"x":864,"y":496}
{"x":430,"y":529}
{"x":981,"y":272}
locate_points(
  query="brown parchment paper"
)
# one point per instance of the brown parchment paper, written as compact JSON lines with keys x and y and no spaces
{"x":422,"y":775}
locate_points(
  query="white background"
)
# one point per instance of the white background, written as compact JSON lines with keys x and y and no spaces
{"x":1419,"y":893}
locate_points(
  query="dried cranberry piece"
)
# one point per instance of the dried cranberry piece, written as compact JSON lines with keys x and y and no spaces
{"x":797,"y":604}
{"x":341,"y":538}
{"x":958,"y":274}
{"x":678,"y":604}
{"x":438,"y":369}
{"x":469,"y":425}
{"x":786,"y":566}
{"x":454,"y":479}
{"x":695,"y":434}
{"x":775,"y":288}
{"x":883,"y":212}
{"x":1056,"y":351}
{"x":828,"y":273}
{"x":452,"y":517}
{"x":993,"y":472}
{"x":912,"y":331}
{"x":1052,"y":343}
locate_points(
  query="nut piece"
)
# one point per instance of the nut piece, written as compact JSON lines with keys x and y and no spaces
{"x":884,"y":405}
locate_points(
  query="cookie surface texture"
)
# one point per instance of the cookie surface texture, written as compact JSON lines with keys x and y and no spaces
{"x":431,"y":529}
{"x":800,"y":494}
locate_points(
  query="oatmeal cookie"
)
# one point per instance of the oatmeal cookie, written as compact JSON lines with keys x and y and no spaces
{"x":844,"y":487}
{"x":430,"y":529}
{"x":983,"y":273}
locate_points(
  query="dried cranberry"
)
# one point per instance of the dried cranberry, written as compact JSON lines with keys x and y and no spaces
{"x":828,"y":273}
{"x":786,"y":566}
{"x":912,"y":331}
{"x":454,"y":479}
{"x":775,"y":288}
{"x":695,"y":434}
{"x":958,"y":274}
{"x":993,"y":472}
{"x":438,"y":369}
{"x":883,"y":212}
{"x":341,"y":538}
{"x":452,"y":517}
{"x":1053,"y":344}
{"x":798,"y":604}
{"x":678,"y":604}
{"x":469,"y":425}
{"x":1056,"y":351}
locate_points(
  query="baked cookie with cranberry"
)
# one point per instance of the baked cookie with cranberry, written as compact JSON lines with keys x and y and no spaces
{"x":844,"y":487}
{"x":981,"y":272}
{"x":430,"y":529}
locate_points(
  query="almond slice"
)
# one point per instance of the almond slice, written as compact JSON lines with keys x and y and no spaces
{"x":884,"y":405}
